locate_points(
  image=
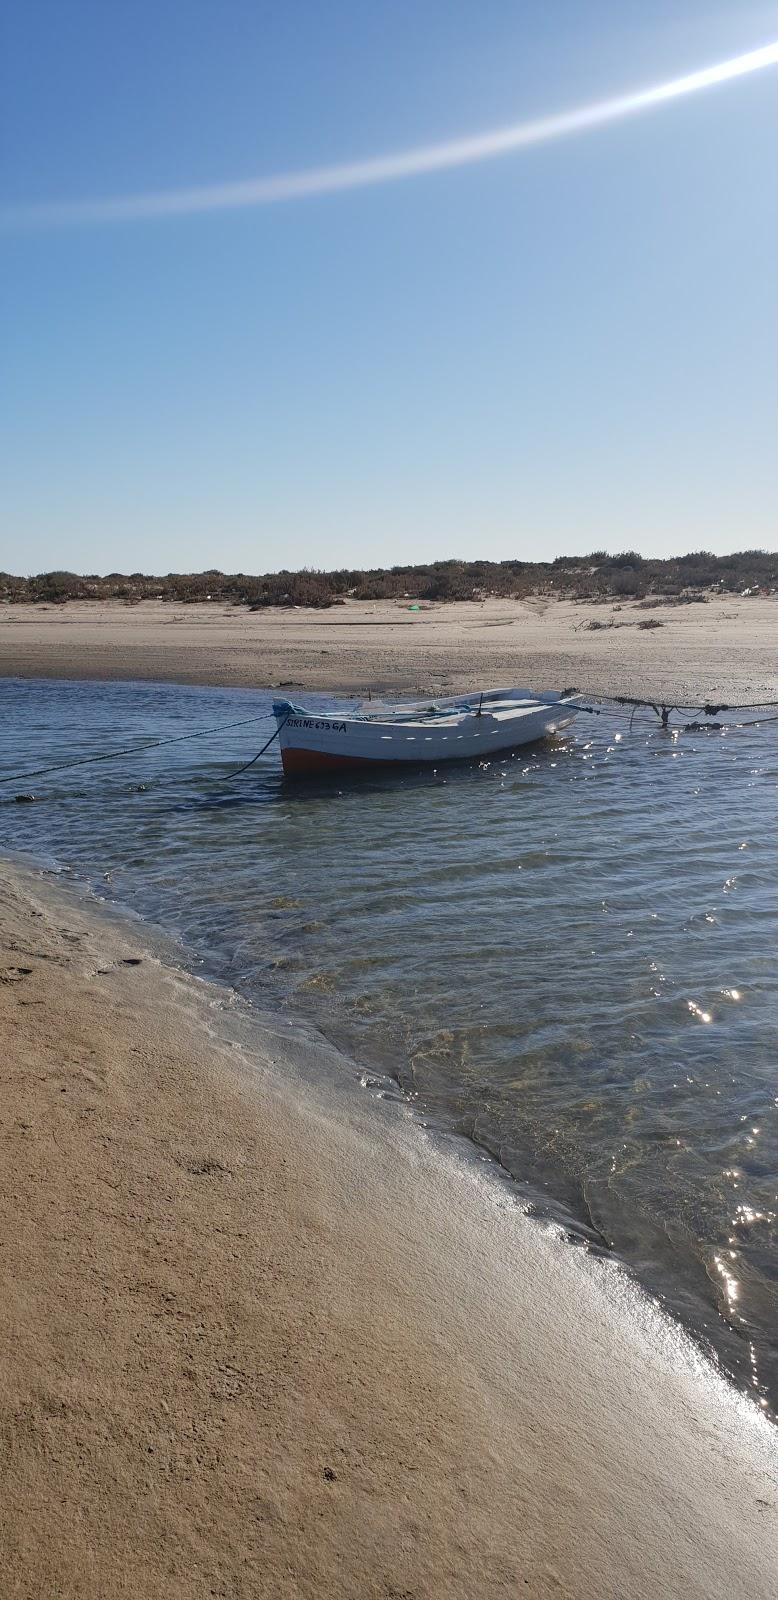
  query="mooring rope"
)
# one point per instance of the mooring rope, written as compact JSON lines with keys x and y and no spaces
{"x":132,"y":750}
{"x":708,"y":708}
{"x":663,"y":709}
{"x":259,"y":753}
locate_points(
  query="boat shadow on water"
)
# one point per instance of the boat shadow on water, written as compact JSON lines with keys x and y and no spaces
{"x":269,"y":785}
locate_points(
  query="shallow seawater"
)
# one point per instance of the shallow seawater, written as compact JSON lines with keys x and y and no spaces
{"x":568,"y":954}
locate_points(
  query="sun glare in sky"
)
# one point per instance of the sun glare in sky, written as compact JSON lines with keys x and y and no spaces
{"x":388,"y":168}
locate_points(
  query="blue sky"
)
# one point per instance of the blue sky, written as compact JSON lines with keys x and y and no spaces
{"x":570,"y":347}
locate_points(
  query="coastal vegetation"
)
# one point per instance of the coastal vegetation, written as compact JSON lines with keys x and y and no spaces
{"x":591,"y":577}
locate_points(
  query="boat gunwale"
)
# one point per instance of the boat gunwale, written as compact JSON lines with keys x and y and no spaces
{"x":501,"y":705}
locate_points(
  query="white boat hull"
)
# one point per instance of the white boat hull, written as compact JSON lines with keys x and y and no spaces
{"x":319,"y":742}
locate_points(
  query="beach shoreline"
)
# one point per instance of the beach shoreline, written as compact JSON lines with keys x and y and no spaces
{"x":722,"y":649}
{"x":314,"y":1352}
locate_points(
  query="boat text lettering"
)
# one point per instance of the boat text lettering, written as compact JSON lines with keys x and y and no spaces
{"x":312,"y":722}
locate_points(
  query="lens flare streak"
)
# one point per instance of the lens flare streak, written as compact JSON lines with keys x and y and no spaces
{"x":388,"y":168}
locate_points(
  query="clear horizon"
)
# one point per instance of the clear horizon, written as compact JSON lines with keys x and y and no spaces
{"x":568,"y":349}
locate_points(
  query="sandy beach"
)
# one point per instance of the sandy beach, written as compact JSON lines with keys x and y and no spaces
{"x":262,"y":1336}
{"x":725,"y":648}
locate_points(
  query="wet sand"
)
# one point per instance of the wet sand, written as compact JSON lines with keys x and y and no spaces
{"x":723,"y":649}
{"x":262,"y":1336}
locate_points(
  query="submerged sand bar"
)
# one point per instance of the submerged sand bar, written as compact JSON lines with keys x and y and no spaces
{"x":724,"y":648}
{"x":262,"y":1336}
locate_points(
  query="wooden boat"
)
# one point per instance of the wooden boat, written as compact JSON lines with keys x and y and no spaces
{"x":457,"y":728}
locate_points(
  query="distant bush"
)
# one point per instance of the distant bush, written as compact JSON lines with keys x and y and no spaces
{"x":679,"y":580}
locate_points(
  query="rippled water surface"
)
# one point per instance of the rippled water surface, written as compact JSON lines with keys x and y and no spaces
{"x":570,"y":952}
